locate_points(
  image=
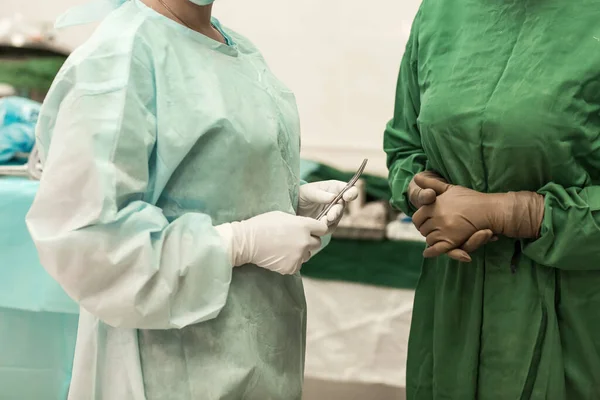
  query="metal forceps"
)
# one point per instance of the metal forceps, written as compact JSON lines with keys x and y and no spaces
{"x":349,"y":185}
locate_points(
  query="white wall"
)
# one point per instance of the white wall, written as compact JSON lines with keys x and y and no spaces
{"x":42,"y":11}
{"x":340,"y":57}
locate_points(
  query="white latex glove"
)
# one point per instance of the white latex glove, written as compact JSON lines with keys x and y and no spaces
{"x":275,"y":241}
{"x":314,"y":197}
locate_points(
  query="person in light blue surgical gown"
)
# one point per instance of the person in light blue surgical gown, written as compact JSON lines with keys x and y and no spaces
{"x":171,"y":209}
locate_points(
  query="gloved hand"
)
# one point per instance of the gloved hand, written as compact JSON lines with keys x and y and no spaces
{"x":314,"y":197}
{"x":458,"y":213}
{"x":422,"y":197}
{"x":426,"y":195}
{"x":275,"y":241}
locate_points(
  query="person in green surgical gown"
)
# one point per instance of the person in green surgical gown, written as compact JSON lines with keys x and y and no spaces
{"x":499,"y":97}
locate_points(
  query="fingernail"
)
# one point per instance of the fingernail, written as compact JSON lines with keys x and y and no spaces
{"x":465,"y":259}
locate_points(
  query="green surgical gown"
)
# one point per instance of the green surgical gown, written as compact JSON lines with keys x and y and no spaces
{"x":503,"y":96}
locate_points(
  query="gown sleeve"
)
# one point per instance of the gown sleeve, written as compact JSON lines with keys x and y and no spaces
{"x":111,"y":250}
{"x":402,"y":139}
{"x":570,"y":233}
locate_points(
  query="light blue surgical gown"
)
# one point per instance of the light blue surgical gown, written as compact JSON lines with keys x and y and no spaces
{"x":151,"y":135}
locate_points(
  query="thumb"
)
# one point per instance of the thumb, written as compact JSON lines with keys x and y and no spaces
{"x":318,"y":196}
{"x":426,"y":197}
{"x":426,"y":181}
{"x":317,"y":228}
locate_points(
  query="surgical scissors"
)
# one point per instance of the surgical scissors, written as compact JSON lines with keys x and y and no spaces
{"x":349,"y":185}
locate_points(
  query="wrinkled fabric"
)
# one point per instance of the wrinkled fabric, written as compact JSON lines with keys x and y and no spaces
{"x":151,"y":135}
{"x":86,"y":13}
{"x":497,"y":97}
{"x":202,"y":2}
{"x":96,"y":10}
{"x":18,"y":117}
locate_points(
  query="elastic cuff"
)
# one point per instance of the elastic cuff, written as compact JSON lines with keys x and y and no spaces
{"x":226,"y":233}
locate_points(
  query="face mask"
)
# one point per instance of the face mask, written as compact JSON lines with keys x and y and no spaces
{"x":202,"y":2}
